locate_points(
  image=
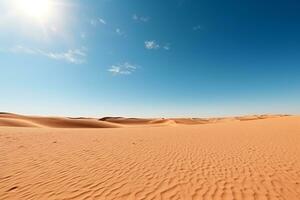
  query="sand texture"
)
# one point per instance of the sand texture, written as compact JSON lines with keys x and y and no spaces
{"x":254,"y":157}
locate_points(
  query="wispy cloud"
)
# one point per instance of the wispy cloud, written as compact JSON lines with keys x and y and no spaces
{"x":119,"y":31}
{"x":83,"y":35}
{"x":95,"y":22}
{"x":98,"y":21}
{"x":152,"y":45}
{"x":122,"y":69}
{"x":22,"y":49}
{"x":74,"y":56}
{"x":102,"y":21}
{"x":167,"y":47}
{"x":135,"y":17}
{"x":197,"y":28}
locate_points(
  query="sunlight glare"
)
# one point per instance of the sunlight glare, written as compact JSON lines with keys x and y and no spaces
{"x":37,"y":9}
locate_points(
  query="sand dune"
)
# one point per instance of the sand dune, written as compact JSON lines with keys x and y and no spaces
{"x":8,"y":119}
{"x":234,"y":159}
{"x":14,"y":120}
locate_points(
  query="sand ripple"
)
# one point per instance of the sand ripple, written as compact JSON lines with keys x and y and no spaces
{"x":253,"y":159}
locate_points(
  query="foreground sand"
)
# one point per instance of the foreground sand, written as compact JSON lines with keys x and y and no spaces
{"x":232,"y":159}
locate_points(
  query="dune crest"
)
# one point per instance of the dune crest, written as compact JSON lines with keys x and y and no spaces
{"x":15,"y":120}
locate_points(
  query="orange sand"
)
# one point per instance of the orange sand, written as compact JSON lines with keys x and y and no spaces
{"x":254,"y":157}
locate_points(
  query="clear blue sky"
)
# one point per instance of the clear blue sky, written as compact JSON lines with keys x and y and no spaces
{"x":150,"y":58}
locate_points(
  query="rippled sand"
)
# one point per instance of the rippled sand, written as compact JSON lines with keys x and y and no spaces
{"x":246,"y":158}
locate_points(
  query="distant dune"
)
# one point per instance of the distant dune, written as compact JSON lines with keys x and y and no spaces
{"x":14,"y":120}
{"x":250,"y":157}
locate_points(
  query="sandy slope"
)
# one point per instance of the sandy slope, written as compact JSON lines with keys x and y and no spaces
{"x":236,"y":159}
{"x":14,"y":120}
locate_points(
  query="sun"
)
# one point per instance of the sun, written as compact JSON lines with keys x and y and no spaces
{"x":37,"y":9}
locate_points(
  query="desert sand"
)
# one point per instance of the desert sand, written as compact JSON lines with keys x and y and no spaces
{"x":250,"y":157}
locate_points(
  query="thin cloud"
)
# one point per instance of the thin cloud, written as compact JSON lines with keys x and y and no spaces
{"x":167,"y":47}
{"x":122,"y":69}
{"x":119,"y":31}
{"x":197,"y":28}
{"x":102,"y":21}
{"x":83,"y":35}
{"x":74,"y":56}
{"x":22,"y":49}
{"x":151,"y":44}
{"x":135,"y":17}
{"x":95,"y":22}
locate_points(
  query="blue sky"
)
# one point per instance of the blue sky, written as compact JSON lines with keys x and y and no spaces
{"x":184,"y":58}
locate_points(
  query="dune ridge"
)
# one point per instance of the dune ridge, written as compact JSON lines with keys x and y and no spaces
{"x":15,"y":120}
